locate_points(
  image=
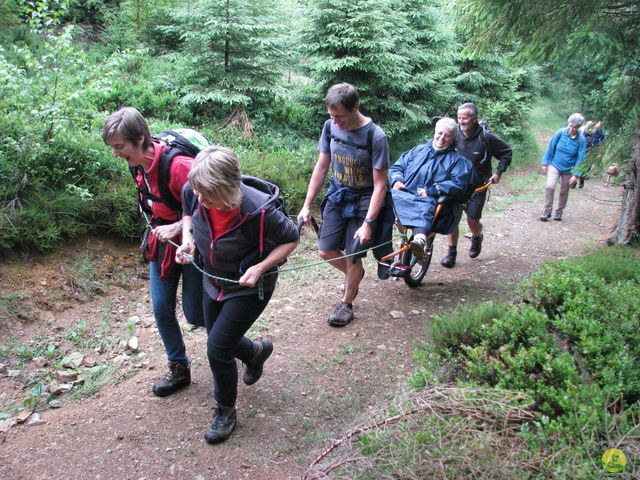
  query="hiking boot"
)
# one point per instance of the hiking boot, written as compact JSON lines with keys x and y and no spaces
{"x":223,"y":422}
{"x":383,"y":271}
{"x":253,"y":370}
{"x":450,"y":260}
{"x":342,"y":315}
{"x":581,"y":182}
{"x":545,"y":216}
{"x":476,"y":246}
{"x":417,"y":245}
{"x":557,"y":217}
{"x":178,"y":376}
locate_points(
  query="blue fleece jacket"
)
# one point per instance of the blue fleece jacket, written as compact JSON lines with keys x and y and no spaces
{"x":565,"y":153}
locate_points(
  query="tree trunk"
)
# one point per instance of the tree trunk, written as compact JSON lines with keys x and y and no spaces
{"x":628,"y":227}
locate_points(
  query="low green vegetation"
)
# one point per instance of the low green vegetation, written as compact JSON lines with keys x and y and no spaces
{"x":564,"y":362}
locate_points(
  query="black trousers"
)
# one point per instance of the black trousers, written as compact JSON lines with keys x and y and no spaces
{"x":226,"y":323}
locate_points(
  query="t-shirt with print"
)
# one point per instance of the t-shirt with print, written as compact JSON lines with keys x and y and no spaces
{"x":350,"y":160}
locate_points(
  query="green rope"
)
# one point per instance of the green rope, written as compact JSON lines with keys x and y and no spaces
{"x":279,"y":270}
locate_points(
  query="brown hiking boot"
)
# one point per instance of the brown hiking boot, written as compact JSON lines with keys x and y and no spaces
{"x":178,"y":376}
{"x":253,"y":370}
{"x":476,"y":246}
{"x":342,"y":315}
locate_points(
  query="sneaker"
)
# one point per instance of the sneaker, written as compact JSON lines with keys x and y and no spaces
{"x":557,"y":217}
{"x":417,"y":245}
{"x":476,"y":246}
{"x":178,"y":376}
{"x":223,"y":422}
{"x":342,"y":315}
{"x":450,"y":260}
{"x":545,"y":216}
{"x":253,"y":370}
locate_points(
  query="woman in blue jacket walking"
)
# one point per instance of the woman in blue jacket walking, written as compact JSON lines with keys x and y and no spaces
{"x":560,"y":163}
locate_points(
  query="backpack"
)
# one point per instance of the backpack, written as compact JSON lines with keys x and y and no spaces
{"x":485,"y":129}
{"x":180,"y":141}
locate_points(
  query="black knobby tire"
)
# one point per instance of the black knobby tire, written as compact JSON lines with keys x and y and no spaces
{"x":417,"y":268}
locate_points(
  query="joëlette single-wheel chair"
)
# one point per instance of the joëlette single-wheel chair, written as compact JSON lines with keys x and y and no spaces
{"x":408,"y":266}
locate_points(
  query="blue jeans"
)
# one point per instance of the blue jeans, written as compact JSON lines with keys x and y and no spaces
{"x":163,"y":297}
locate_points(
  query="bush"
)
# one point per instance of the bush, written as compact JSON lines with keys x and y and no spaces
{"x":572,"y":347}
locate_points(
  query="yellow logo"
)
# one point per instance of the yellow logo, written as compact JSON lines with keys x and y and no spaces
{"x":614,"y":461}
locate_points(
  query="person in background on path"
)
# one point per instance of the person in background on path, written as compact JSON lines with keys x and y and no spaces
{"x":560,"y":163}
{"x":479,"y":146}
{"x":357,"y":151}
{"x":424,"y":174}
{"x":127,"y":133}
{"x":234,"y":223}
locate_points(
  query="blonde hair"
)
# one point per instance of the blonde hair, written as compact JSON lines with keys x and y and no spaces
{"x":216,"y":175}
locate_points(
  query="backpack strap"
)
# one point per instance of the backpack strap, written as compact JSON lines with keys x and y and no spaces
{"x":487,"y":154}
{"x":371,"y":129}
{"x":164,"y":177}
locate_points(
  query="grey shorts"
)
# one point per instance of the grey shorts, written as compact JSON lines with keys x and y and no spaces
{"x":336,"y":232}
{"x":475,"y":205}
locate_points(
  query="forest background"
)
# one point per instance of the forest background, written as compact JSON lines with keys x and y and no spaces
{"x":252,"y":75}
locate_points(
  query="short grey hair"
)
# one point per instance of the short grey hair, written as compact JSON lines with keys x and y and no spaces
{"x":130,"y":123}
{"x":216,"y":175}
{"x":448,"y":124}
{"x":469,"y":106}
{"x":576,"y":120}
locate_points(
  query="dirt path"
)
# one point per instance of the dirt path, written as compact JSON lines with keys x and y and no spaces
{"x":318,"y":380}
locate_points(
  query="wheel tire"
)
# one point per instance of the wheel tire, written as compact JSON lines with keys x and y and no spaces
{"x":417,"y":269}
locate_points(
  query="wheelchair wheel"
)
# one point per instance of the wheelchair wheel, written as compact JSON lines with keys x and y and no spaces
{"x":417,"y":268}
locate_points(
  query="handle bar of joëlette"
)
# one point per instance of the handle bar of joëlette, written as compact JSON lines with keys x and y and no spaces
{"x":441,"y":200}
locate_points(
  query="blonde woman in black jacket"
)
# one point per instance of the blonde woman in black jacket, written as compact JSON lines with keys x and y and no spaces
{"x":235,"y":225}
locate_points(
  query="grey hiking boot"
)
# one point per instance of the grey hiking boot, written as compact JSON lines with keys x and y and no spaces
{"x":545,"y":216}
{"x":417,"y":245}
{"x":178,"y":376}
{"x":450,"y":260}
{"x":476,"y":246}
{"x":342,"y":315}
{"x":253,"y":370}
{"x":223,"y":422}
{"x":557,"y":217}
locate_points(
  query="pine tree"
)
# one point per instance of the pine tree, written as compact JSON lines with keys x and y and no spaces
{"x":428,"y":44}
{"x":232,"y":53}
{"x":398,"y":53}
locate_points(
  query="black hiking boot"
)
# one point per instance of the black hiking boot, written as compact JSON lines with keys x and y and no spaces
{"x":557,"y":217}
{"x":450,"y":260}
{"x":545,"y":216}
{"x":476,"y":246}
{"x":178,"y":376}
{"x":581,"y":182}
{"x":223,"y":422}
{"x":253,"y":370}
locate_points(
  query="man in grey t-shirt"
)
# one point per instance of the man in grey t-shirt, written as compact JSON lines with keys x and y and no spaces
{"x":358,"y":153}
